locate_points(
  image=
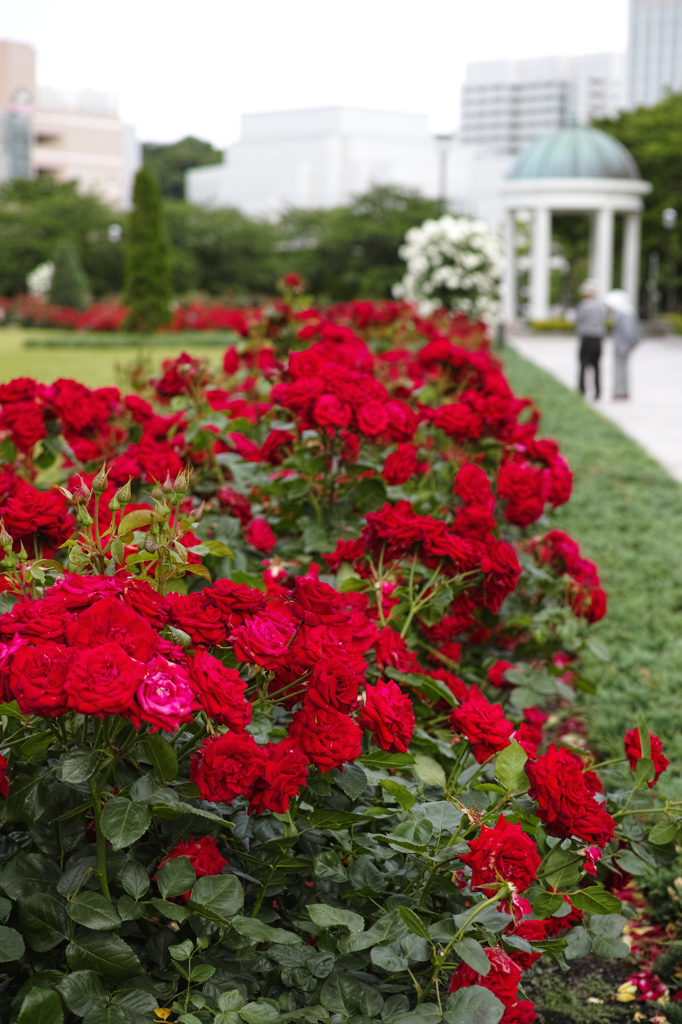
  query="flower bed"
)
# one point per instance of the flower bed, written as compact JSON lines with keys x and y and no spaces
{"x":289,"y":656}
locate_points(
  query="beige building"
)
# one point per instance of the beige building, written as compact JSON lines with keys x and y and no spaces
{"x":70,"y":136}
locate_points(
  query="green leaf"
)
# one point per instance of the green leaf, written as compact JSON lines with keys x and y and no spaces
{"x":94,"y":911}
{"x":79,"y":766}
{"x":140,"y":517}
{"x":255,"y":929}
{"x":123,"y":821}
{"x":579,"y":943}
{"x":5,"y":907}
{"x":562,"y":868}
{"x":352,"y":780}
{"x":609,"y":949}
{"x":176,"y":877}
{"x":414,"y":923}
{"x":103,"y":953}
{"x":41,"y":1006}
{"x":429,"y":771}
{"x":218,"y":549}
{"x":259,"y":1013}
{"x":610,"y":926}
{"x":344,"y":995}
{"x":473,"y":1005}
{"x":644,"y":770}
{"x":217,"y":897}
{"x":231,"y":1000}
{"x":384,"y":957}
{"x":11,"y":944}
{"x":402,"y":795}
{"x":379,"y":759}
{"x":596,"y":900}
{"x":27,"y":873}
{"x":442,"y":815}
{"x":128,"y":909}
{"x":509,"y":767}
{"x":327,"y":818}
{"x":162,"y":756}
{"x":325,"y":916}
{"x":173,"y":911}
{"x":82,"y":992}
{"x":472,"y":953}
{"x":644,"y":737}
{"x":135,"y":879}
{"x":327,"y":867}
{"x":546,"y":904}
{"x":416,"y":832}
{"x":663,"y":832}
{"x":598,"y":648}
{"x":43,"y":921}
{"x":35,"y":745}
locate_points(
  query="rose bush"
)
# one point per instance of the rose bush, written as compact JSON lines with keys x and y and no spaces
{"x":273,"y":658}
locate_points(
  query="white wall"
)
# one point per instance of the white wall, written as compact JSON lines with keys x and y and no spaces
{"x":316,"y":158}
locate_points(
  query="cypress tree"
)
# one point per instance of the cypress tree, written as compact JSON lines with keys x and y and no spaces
{"x":69,"y":283}
{"x":148,"y":288}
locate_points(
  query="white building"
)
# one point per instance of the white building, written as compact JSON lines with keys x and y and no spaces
{"x":69,"y":136}
{"x":316,"y":158}
{"x":654,"y":51}
{"x":507,"y":104}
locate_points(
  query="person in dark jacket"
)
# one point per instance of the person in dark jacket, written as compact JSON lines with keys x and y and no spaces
{"x":590,"y":325}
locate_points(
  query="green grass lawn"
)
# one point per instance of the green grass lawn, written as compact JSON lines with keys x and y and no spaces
{"x":94,"y":367}
{"x":626,"y":513}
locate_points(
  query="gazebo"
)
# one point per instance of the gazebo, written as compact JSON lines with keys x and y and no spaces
{"x":581,"y":171}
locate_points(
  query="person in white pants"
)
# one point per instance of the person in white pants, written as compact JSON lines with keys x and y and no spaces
{"x":626,"y":335}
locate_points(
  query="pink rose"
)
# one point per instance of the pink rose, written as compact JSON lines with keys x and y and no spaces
{"x":165,"y":695}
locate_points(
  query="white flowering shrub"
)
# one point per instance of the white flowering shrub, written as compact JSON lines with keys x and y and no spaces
{"x":39,"y":281}
{"x":455,"y":262}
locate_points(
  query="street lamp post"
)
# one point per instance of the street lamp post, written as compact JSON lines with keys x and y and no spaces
{"x":669,"y":221}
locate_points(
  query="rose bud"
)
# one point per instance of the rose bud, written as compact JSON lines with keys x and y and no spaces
{"x":100,"y":483}
{"x":124,"y":495}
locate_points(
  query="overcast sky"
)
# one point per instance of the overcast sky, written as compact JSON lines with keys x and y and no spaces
{"x":181,"y":67}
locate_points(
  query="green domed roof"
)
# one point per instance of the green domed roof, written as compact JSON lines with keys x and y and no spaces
{"x":576,"y":153}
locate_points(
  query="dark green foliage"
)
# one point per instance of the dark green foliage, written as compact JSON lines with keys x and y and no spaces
{"x":36,"y":215}
{"x":626,"y":513}
{"x":69,"y":283}
{"x":654,"y":137}
{"x":148,"y":288}
{"x":169,"y":162}
{"x":222,"y":250}
{"x":665,"y":964}
{"x":351,"y":252}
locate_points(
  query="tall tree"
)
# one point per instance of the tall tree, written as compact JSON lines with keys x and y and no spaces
{"x":148,"y":288}
{"x":169,"y":162}
{"x":69,"y":284}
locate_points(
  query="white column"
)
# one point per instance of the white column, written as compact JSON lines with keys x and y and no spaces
{"x":539,"y":270}
{"x":603,"y":250}
{"x":509,"y":296}
{"x":631,"y":242}
{"x":592,"y":268}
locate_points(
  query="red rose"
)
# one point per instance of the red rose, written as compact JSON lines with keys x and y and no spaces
{"x":472,"y":485}
{"x":531,"y":931}
{"x":111,"y":621}
{"x":231,"y":360}
{"x":236,"y":504}
{"x":527,"y":490}
{"x":235,"y":601}
{"x":139,"y":596}
{"x":389,"y":715}
{"x":330,"y":411}
{"x":333,"y":684}
{"x":262,"y":640}
{"x":565,"y":804}
{"x":502,"y":570}
{"x":103,"y":681}
{"x":588,"y":602}
{"x":372,"y":418}
{"x":220,"y":691}
{"x":400,"y":465}
{"x":165,"y":696}
{"x":457,"y":687}
{"x":327,"y":737}
{"x":26,"y":423}
{"x":226,"y":766}
{"x":203,"y":855}
{"x":459,"y":421}
{"x":503,"y":853}
{"x":402,"y":422}
{"x":317,"y":603}
{"x":260,"y":536}
{"x":392,"y":652}
{"x":195,"y":615}
{"x":395,"y":526}
{"x":4,"y":781}
{"x":496,"y":674}
{"x":30,"y":514}
{"x":38,"y":627}
{"x":37,"y":679}
{"x":282,"y":774}
{"x":484,"y":725}
{"x":633,"y":752}
{"x":502,"y":979}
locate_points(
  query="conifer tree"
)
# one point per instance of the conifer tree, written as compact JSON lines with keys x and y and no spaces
{"x":69,"y":285}
{"x":148,"y":288}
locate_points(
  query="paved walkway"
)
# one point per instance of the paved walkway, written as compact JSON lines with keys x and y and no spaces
{"x":653,"y":415}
